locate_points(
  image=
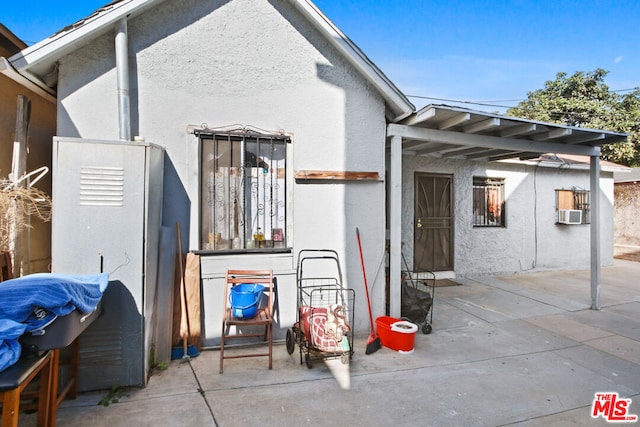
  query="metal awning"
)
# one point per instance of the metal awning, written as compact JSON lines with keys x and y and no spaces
{"x":456,"y":132}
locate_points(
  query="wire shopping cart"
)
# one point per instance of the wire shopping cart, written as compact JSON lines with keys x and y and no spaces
{"x":324,"y":309}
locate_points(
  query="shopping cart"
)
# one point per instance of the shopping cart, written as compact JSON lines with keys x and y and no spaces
{"x":418,"y":290}
{"x":324,"y":309}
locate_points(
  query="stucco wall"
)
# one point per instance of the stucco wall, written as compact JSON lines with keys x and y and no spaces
{"x":627,"y":223}
{"x":255,"y":63}
{"x":531,"y":239}
{"x":42,"y":126}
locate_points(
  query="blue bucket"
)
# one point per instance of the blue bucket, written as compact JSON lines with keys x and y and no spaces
{"x":245,"y":299}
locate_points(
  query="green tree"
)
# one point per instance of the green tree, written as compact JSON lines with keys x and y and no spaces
{"x":584,"y":100}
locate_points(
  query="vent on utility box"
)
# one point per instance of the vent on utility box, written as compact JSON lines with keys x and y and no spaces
{"x":101,"y":186}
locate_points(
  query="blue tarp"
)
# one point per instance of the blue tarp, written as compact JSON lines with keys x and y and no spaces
{"x":10,"y":331}
{"x":32,"y":302}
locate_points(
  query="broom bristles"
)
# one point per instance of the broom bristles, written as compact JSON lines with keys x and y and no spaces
{"x":373,"y":344}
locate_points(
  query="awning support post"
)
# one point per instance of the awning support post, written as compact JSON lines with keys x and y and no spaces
{"x":395,"y":225}
{"x":595,"y":231}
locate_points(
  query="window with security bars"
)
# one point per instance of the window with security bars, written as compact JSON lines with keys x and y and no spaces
{"x":572,"y":206}
{"x":243,"y":190}
{"x":488,"y":202}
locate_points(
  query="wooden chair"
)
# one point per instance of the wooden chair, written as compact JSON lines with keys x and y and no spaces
{"x":6,"y":271}
{"x":46,"y":362}
{"x":17,"y":377}
{"x":246,"y":328}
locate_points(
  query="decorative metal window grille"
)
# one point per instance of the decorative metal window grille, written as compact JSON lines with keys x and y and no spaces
{"x":488,"y":202}
{"x":243,"y":191}
{"x":573,"y":199}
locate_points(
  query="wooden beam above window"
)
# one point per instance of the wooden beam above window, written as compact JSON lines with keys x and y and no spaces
{"x":320,"y":175}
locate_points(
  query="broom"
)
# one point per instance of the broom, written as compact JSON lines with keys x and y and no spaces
{"x":373,"y":341}
{"x":188,"y":350}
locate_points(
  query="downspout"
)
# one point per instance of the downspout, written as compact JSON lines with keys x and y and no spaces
{"x":122,"y":70}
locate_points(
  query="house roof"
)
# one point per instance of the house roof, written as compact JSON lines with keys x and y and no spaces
{"x":9,"y":42}
{"x":631,"y":175}
{"x":38,"y":61}
{"x":570,"y":161}
{"x":456,"y":132}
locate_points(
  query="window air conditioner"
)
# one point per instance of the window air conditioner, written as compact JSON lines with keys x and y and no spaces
{"x":568,"y":216}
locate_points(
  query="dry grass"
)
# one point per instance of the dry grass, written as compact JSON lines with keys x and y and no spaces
{"x":16,"y":205}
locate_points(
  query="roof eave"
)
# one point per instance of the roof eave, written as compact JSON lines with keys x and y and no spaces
{"x":455,"y":132}
{"x":40,"y":58}
{"x":585,"y":166}
{"x":598,"y":137}
{"x":398,"y":104}
{"x":33,"y":84}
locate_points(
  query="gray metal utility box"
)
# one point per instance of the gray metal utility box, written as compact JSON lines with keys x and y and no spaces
{"x":107,"y":214}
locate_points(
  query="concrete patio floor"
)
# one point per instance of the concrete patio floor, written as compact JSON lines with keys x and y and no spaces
{"x":522,"y":350}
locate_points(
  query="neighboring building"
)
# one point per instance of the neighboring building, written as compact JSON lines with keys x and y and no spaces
{"x":503,"y":216}
{"x":36,"y":245}
{"x":280,"y":135}
{"x":627,"y":214}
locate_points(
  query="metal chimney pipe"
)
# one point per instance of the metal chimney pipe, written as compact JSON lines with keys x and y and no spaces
{"x":122,"y":70}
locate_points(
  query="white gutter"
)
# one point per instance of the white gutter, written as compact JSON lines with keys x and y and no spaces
{"x":122,"y":71}
{"x":38,"y":88}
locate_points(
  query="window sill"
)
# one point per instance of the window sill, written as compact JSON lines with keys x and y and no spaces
{"x":258,"y":251}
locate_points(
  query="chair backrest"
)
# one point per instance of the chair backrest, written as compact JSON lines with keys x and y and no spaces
{"x":6,"y":272}
{"x":262,"y":277}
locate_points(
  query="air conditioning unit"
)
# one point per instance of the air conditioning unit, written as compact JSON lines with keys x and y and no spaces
{"x":569,"y":216}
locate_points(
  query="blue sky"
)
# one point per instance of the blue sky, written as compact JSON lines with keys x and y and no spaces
{"x":492,"y":52}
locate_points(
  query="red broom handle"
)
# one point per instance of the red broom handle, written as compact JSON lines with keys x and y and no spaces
{"x":364,"y":274}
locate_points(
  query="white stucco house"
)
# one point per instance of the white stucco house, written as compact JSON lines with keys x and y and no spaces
{"x":279,"y":134}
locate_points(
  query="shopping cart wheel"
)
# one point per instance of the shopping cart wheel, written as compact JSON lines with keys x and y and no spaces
{"x":426,"y":328}
{"x":307,"y":360}
{"x":291,"y":340}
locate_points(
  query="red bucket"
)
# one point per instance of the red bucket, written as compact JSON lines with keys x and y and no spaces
{"x":396,"y":334}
